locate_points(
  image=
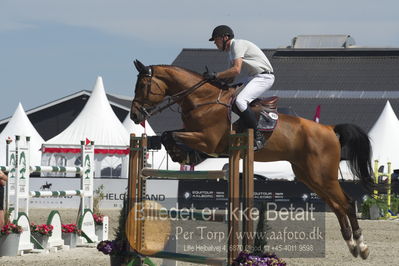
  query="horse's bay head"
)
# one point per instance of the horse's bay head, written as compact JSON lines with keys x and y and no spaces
{"x":148,"y":93}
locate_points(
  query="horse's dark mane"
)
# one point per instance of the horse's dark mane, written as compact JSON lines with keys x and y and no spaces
{"x":180,"y":68}
{"x":216,"y":84}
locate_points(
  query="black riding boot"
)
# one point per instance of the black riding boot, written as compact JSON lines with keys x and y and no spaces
{"x":249,"y":118}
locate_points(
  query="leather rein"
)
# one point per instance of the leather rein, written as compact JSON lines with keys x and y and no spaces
{"x":176,"y":97}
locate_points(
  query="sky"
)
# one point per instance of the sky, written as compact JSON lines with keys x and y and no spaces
{"x":50,"y":49}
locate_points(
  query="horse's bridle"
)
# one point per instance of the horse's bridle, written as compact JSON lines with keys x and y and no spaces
{"x":148,"y":112}
{"x":141,"y":108}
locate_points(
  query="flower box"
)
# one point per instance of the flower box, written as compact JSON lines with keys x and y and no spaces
{"x":10,"y":235}
{"x":69,"y":234}
{"x":41,"y":233}
{"x":70,"y":239}
{"x":9,"y":244}
{"x":101,"y":227}
{"x":42,"y":241}
{"x":99,"y":232}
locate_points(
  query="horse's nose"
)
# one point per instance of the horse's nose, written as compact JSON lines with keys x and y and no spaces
{"x":133,"y":116}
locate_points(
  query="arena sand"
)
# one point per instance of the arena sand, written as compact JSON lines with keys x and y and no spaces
{"x":382,"y":238}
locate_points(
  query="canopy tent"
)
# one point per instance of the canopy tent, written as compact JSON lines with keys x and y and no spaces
{"x":157,"y":159}
{"x":20,"y":124}
{"x":271,"y":170}
{"x":97,"y":122}
{"x":137,"y":129}
{"x":384,"y":141}
{"x":384,"y":136}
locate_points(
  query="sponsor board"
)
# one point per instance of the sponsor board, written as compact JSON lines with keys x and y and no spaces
{"x":115,"y":190}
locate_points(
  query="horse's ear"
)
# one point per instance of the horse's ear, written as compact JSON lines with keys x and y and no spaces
{"x":139,"y":66}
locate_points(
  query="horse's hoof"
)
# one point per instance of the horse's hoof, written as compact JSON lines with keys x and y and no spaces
{"x":365,"y":253}
{"x":354,"y":251}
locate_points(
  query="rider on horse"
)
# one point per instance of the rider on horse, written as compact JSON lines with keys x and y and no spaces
{"x":247,"y":59}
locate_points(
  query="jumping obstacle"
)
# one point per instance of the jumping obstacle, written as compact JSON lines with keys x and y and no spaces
{"x":19,"y":168}
{"x":388,"y":175}
{"x":240,"y":144}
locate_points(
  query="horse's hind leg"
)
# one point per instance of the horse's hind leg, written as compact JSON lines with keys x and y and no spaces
{"x":344,"y":209}
{"x":328,"y":189}
{"x":334,"y":199}
{"x":357,"y":231}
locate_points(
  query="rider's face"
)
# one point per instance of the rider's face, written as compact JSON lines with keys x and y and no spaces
{"x":219,"y":42}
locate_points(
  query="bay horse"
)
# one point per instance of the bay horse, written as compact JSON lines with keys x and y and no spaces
{"x":314,"y":150}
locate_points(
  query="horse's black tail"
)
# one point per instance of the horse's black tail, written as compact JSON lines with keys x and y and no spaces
{"x":356,"y":148}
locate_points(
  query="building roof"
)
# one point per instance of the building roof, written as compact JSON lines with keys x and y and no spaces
{"x":351,"y":69}
{"x":362,"y":112}
{"x":352,"y":85}
{"x":323,"y":41}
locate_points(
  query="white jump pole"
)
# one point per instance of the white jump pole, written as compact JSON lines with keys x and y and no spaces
{"x":18,"y":165}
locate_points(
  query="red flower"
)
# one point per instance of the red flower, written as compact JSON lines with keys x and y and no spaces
{"x":98,"y":218}
{"x":44,"y":229}
{"x":71,"y":228}
{"x":10,"y":228}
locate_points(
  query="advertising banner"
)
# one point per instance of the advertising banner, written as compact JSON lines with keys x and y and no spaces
{"x":114,"y":190}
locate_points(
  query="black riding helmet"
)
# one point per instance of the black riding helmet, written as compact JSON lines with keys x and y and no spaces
{"x":221,"y":31}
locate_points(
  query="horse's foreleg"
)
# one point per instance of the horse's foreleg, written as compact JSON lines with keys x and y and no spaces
{"x":186,"y":147}
{"x":196,"y":140}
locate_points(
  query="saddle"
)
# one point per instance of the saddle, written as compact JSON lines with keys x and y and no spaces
{"x":265,"y":110}
{"x":268,"y":104}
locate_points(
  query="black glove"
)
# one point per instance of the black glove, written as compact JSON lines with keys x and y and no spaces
{"x":224,"y":85}
{"x":209,"y":75}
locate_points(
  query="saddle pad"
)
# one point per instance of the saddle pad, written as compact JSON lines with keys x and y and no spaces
{"x":267,"y":121}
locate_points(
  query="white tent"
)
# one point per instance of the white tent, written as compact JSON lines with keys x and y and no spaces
{"x":97,"y":122}
{"x":384,"y":136}
{"x":275,"y":170}
{"x":20,"y":124}
{"x":384,"y":141}
{"x":132,"y":127}
{"x":271,"y":170}
{"x":157,"y":159}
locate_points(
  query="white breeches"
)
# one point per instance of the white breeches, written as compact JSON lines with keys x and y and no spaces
{"x":254,"y":87}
